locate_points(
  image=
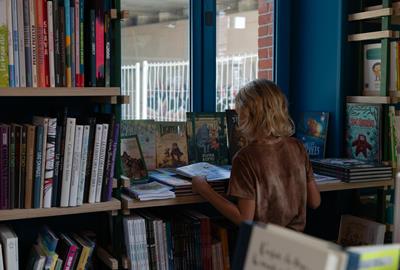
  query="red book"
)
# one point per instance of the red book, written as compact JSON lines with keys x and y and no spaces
{"x":46,"y":44}
{"x":100,"y":53}
{"x":41,"y":69}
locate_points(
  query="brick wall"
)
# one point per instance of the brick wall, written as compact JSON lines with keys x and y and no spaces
{"x":265,"y":39}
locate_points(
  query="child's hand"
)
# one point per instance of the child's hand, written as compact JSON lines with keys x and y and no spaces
{"x":199,"y":184}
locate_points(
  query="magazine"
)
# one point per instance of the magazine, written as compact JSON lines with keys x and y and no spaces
{"x":211,"y":172}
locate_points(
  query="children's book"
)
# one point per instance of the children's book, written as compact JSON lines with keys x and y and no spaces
{"x":150,"y":191}
{"x":146,"y":132}
{"x":374,"y":257}
{"x":171,"y":145}
{"x":312,"y":130}
{"x":235,"y":140}
{"x":132,"y":163}
{"x":363,"y":131}
{"x":210,"y":171}
{"x":207,"y":138}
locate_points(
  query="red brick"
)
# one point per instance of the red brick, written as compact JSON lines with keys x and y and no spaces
{"x":265,"y":19}
{"x":262,"y":74}
{"x":265,"y":30}
{"x":263,"y":53}
{"x":265,"y":64}
{"x":265,"y":7}
{"x":264,"y":42}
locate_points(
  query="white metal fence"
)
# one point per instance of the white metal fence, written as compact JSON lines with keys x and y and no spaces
{"x":161,"y":90}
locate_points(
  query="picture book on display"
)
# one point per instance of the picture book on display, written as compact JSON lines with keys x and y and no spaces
{"x":207,"y":138}
{"x":150,"y":191}
{"x":312,"y":130}
{"x":235,"y":140}
{"x":132,"y":163}
{"x":363,"y":131}
{"x":171,"y":142}
{"x":210,"y":171}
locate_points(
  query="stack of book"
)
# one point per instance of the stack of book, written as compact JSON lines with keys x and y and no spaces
{"x":58,"y":43}
{"x":352,"y":170}
{"x":57,"y":162}
{"x":150,"y":191}
{"x":50,"y":251}
{"x":179,"y":240}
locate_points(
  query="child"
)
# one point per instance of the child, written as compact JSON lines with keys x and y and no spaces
{"x":271,"y":176}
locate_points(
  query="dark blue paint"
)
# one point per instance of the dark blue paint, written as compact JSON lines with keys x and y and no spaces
{"x":196,"y":70}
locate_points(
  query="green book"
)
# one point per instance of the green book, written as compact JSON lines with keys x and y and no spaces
{"x":382,"y":257}
{"x":3,"y":45}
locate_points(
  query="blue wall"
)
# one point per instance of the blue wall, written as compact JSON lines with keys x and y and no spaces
{"x":316,"y":60}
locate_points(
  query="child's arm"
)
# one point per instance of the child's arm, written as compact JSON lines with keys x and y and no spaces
{"x":313,"y":195}
{"x":236,"y":213}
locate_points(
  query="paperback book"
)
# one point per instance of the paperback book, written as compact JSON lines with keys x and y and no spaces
{"x":132,"y":163}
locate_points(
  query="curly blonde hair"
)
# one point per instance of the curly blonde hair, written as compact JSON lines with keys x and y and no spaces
{"x":263,"y":111}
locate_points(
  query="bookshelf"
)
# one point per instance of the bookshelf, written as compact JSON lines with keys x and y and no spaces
{"x":60,"y":92}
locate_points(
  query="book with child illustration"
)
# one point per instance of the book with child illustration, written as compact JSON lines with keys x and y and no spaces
{"x":207,"y":138}
{"x":132,"y":163}
{"x":312,"y":130}
{"x":235,"y":140}
{"x":210,"y":171}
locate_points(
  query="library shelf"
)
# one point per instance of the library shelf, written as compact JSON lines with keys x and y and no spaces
{"x":336,"y":186}
{"x":17,"y":214}
{"x":61,"y":92}
{"x":129,"y":203}
{"x":369,"y":99}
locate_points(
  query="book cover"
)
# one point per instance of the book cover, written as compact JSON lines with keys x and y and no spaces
{"x":72,"y":14}
{"x":14,"y":16}
{"x":363,"y":131}
{"x":56,"y":44}
{"x":63,"y":72}
{"x":210,"y":171}
{"x":82,"y":43}
{"x":83,"y":161}
{"x":24,"y":138}
{"x":4,"y":76}
{"x":312,"y":130}
{"x":102,"y":159}
{"x":21,"y":43}
{"x":207,"y":140}
{"x":37,"y":186}
{"x":4,"y":166}
{"x":100,"y":43}
{"x":30,"y":159}
{"x":110,"y":159}
{"x":68,"y":158}
{"x":50,"y":29}
{"x":68,"y":49}
{"x":107,"y":35}
{"x":44,"y":121}
{"x":235,"y":140}
{"x":95,"y":163}
{"x":10,"y":43}
{"x":77,"y":33}
{"x":381,"y":256}
{"x":11,"y":159}
{"x":17,"y":130}
{"x":40,"y":43}
{"x":146,"y":132}
{"x":92,"y":66}
{"x":171,"y":145}
{"x":89,"y":166}
{"x":27,"y":43}
{"x":57,"y":162}
{"x":132,"y":162}
{"x":33,"y":40}
{"x":46,"y":45}
{"x":9,"y":241}
{"x":76,"y":165}
{"x":49,"y":166}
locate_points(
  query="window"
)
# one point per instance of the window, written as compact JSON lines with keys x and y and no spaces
{"x":155,"y":60}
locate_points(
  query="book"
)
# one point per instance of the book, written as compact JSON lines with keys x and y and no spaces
{"x":4,"y":167}
{"x":15,"y":39}
{"x":363,"y":131}
{"x":146,"y":132}
{"x":207,"y":138}
{"x":27,"y":43}
{"x":63,"y":59}
{"x":312,"y":130}
{"x":110,"y":160}
{"x":374,"y":257}
{"x":9,"y":241}
{"x":77,"y":33}
{"x":73,"y":66}
{"x":4,"y":76}
{"x":1,"y":258}
{"x":44,"y":121}
{"x":68,"y":159}
{"x":235,"y":140}
{"x":49,"y":165}
{"x":23,"y":166}
{"x":57,"y":177}
{"x":210,"y":171}
{"x":33,"y":39}
{"x":57,"y":44}
{"x":171,"y":151}
{"x":100,"y":52}
{"x":50,"y":29}
{"x":39,"y":8}
{"x":107,"y":37}
{"x":37,"y":186}
{"x":21,"y":43}
{"x":355,"y":231}
{"x":76,"y":166}
{"x":68,"y":48}
{"x":17,"y":186}
{"x":150,"y":191}
{"x":100,"y":173}
{"x":82,"y":43}
{"x":10,"y":43}
{"x":95,"y":163}
{"x":132,"y":163}
{"x":83,"y":161}
{"x":67,"y":250}
{"x":12,"y":178}
{"x":89,"y":166}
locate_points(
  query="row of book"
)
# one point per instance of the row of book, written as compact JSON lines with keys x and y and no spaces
{"x":55,"y":43}
{"x":181,"y":240}
{"x":57,"y":162}
{"x":50,"y":251}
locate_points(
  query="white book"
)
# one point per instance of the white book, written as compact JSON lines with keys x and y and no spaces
{"x":95,"y":163}
{"x":157,"y":243}
{"x":100,"y":174}
{"x":21,"y":43}
{"x":84,"y":156}
{"x":11,"y":66}
{"x":41,"y":261}
{"x":32,"y":17}
{"x":1,"y":258}
{"x":51,"y":44}
{"x":76,"y":166}
{"x":9,"y":241}
{"x":165,"y":248}
{"x":67,"y":165}
{"x":15,"y":41}
{"x":144,"y":244}
{"x":49,"y":165}
{"x":43,"y":121}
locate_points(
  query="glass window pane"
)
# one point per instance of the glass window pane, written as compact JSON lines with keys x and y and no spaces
{"x":237,"y":48}
{"x":155,"y":59}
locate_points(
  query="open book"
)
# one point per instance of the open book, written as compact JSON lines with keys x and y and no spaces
{"x":211,"y":172}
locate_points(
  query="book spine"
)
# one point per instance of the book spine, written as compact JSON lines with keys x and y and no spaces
{"x":99,"y":43}
{"x":12,"y":168}
{"x":100,"y":173}
{"x":67,"y":166}
{"x":70,"y":258}
{"x":64,"y":122}
{"x":111,"y":165}
{"x":73,"y":74}
{"x":92,"y":80}
{"x":23,"y":167}
{"x":33,"y":40}
{"x":50,"y":29}
{"x":46,"y":44}
{"x":92,"y":132}
{"x":84,"y":157}
{"x":4,"y":79}
{"x":30,"y":155}
{"x":56,"y":44}
{"x":44,"y":153}
{"x":38,"y":166}
{"x":4,"y":175}
{"x":77,"y":43}
{"x":27,"y":43}
{"x":57,"y":160}
{"x":81,"y":43}
{"x":107,"y":68}
{"x":15,"y":41}
{"x":76,"y":166}
{"x":11,"y":67}
{"x":63,"y":71}
{"x":68,"y":51}
{"x":21,"y":45}
{"x":95,"y":163}
{"x":50,"y":157}
{"x":17,"y":166}
{"x":41,"y":71}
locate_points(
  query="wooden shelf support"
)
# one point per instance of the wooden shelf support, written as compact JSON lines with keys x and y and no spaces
{"x":373,"y":35}
{"x":370,"y":14}
{"x":107,"y":259}
{"x":369,"y":99}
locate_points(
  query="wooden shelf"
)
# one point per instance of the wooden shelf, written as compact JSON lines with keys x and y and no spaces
{"x":106,"y":258}
{"x":16,"y":214}
{"x":61,"y":92}
{"x":369,"y":99}
{"x":335,"y":186}
{"x":373,"y":35}
{"x":128,"y":203}
{"x":370,"y":14}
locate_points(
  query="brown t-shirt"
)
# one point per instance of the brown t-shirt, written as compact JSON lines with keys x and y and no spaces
{"x":275,"y":175}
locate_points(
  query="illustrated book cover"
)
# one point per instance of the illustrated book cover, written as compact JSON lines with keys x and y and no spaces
{"x":132,"y":163}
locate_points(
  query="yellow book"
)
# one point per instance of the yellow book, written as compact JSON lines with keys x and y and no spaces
{"x":382,"y":257}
